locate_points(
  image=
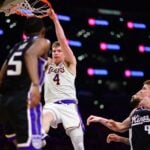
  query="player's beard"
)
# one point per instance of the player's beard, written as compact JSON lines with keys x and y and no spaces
{"x":134,"y":102}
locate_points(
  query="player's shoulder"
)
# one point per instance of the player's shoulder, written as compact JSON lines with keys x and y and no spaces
{"x":41,"y":43}
{"x":43,"y":40}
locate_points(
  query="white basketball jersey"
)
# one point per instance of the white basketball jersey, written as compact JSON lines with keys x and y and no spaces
{"x":59,"y":83}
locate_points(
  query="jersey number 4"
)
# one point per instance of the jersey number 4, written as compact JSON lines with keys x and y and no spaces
{"x":56,"y":79}
{"x":16,"y":64}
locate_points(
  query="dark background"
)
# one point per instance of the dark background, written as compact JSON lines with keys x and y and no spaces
{"x":107,"y":96}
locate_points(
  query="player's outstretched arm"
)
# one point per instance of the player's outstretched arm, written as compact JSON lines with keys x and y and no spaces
{"x":109,"y":123}
{"x":38,"y":49}
{"x":69,"y":56}
{"x":117,"y":138}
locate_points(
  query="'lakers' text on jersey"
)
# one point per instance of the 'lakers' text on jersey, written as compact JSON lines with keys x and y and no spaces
{"x":140,"y":129}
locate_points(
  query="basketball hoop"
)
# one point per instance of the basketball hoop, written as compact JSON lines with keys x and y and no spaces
{"x":28,"y":8}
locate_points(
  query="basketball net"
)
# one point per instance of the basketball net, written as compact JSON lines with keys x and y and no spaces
{"x":28,"y":8}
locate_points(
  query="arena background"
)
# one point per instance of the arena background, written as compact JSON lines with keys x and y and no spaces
{"x":111,"y":41}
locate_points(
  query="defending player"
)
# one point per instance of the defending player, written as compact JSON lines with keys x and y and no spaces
{"x":138,"y":121}
{"x":21,"y":78}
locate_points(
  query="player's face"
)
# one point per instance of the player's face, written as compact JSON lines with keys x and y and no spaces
{"x":57,"y":55}
{"x":144,"y":92}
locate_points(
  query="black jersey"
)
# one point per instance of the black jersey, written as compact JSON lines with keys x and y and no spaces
{"x":16,"y":76}
{"x":140,"y":129}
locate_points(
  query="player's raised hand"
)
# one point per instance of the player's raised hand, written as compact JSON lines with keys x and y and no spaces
{"x":52,"y":14}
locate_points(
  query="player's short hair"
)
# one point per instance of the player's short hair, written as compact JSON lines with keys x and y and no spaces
{"x":147,"y":82}
{"x":33,"y":25}
{"x":55,"y":44}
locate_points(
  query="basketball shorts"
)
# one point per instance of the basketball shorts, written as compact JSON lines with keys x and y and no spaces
{"x":21,"y":121}
{"x":65,"y":113}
